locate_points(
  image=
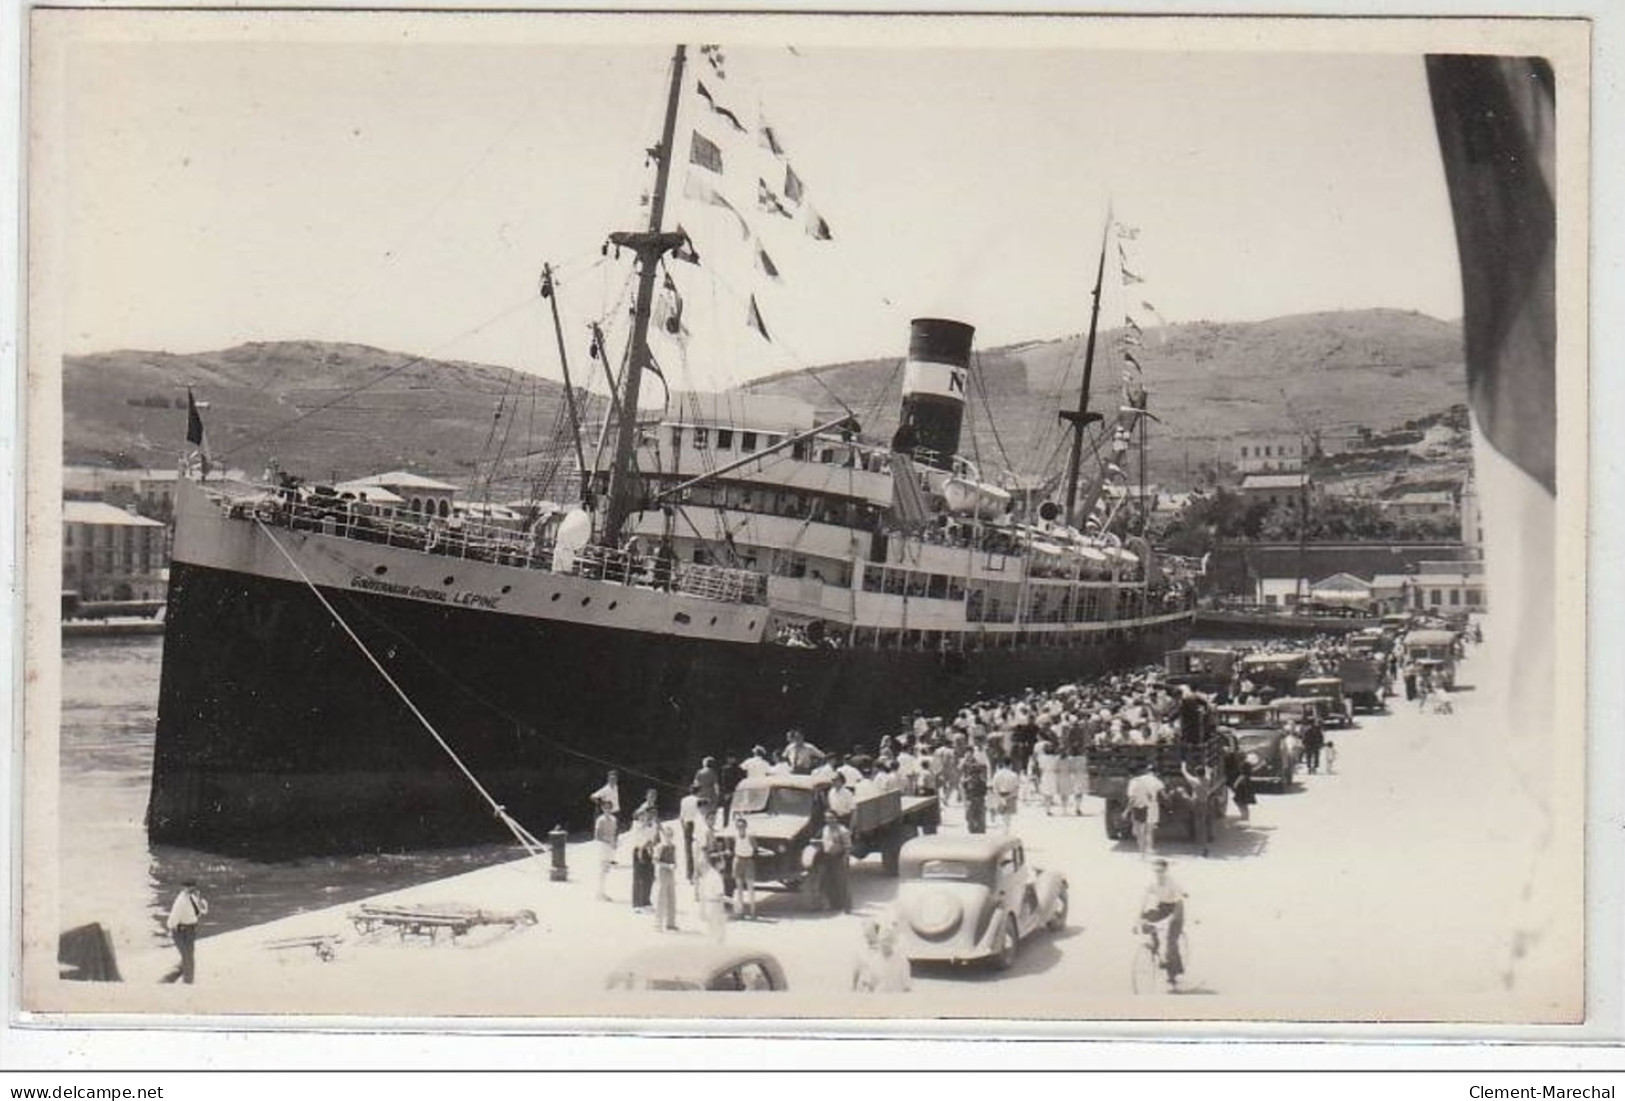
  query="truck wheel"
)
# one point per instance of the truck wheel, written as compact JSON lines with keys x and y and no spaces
{"x":1005,"y":948}
{"x":892,"y":847}
{"x":812,"y":892}
{"x":1057,"y":921}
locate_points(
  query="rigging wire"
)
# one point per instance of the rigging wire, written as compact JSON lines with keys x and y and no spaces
{"x":490,"y":435}
{"x":778,"y":341}
{"x":1059,"y":393}
{"x":987,"y":407}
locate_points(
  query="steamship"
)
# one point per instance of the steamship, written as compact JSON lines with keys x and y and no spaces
{"x":345,"y":676}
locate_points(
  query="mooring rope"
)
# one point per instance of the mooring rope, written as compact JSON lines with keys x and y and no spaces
{"x":528,"y":840}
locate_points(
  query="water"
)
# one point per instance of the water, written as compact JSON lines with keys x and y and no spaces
{"x":110,"y":874}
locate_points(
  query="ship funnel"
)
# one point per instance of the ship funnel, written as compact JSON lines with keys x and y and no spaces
{"x":935,"y":382}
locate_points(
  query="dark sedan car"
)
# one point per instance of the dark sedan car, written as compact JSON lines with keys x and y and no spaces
{"x":1268,"y":750}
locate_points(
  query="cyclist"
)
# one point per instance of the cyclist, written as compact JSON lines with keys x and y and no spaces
{"x":1163,"y":904}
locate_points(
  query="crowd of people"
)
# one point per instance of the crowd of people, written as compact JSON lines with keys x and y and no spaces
{"x":992,"y":758}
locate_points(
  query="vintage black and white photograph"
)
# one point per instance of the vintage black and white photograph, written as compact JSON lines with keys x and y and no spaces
{"x":546,"y":516}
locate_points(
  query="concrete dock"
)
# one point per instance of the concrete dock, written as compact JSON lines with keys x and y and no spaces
{"x":1396,"y":889}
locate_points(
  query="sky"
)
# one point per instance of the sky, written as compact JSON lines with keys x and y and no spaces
{"x":204,"y":183}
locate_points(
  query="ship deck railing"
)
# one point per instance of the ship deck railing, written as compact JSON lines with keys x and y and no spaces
{"x":483,"y":541}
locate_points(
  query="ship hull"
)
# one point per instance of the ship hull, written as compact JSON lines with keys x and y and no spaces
{"x":277,"y":736}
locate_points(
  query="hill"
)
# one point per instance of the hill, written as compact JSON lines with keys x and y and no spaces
{"x":350,"y":409}
{"x":323,"y":408}
{"x":1324,"y":372}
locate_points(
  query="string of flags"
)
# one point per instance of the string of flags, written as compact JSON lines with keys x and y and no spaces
{"x":1131,"y":337}
{"x":744,"y":172}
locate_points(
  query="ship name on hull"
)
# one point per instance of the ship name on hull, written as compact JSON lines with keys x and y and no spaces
{"x":418,"y":592}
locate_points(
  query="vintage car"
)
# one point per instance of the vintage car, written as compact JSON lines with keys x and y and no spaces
{"x":1337,"y":711}
{"x":687,"y":966}
{"x":1261,"y":742}
{"x":973,"y":897}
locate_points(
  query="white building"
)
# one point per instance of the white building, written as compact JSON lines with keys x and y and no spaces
{"x":1265,"y":452}
{"x":1448,"y":587}
{"x":418,"y":493}
{"x":110,"y":553}
{"x":153,"y":491}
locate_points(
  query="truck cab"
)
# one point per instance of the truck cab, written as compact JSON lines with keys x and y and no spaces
{"x":1275,"y":674}
{"x":1434,"y":651}
{"x":1206,"y":671}
{"x":786,"y":813}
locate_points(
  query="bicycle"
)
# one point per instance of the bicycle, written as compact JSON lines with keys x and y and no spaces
{"x":1149,"y":959}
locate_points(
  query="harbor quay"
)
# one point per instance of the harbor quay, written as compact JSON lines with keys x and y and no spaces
{"x":1325,"y":904}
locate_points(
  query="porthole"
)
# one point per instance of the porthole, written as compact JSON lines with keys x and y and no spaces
{"x":713,"y":621}
{"x":448,"y":579}
{"x":555,"y":596}
{"x":380,"y":570}
{"x":506,"y":589}
{"x":585,"y":601}
{"x":680,"y":617}
{"x":752,"y":626}
{"x":612,"y":604}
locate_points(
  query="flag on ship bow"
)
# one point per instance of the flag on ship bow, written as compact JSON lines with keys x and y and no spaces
{"x":194,"y":432}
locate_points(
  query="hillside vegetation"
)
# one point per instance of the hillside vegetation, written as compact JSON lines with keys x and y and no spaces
{"x":348,"y":409}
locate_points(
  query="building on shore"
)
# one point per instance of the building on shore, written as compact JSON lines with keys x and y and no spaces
{"x":1387,"y":577}
{"x":1275,"y":489}
{"x":1269,"y":452}
{"x":150,"y":492}
{"x":111,"y":553}
{"x":1430,"y":503}
{"x":417,"y":493}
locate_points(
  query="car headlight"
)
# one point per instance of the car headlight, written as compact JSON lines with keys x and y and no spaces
{"x":1253,"y":759}
{"x":936,"y":914}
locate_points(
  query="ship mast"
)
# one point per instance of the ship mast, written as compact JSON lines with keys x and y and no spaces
{"x":1080,"y":418}
{"x":649,"y":245}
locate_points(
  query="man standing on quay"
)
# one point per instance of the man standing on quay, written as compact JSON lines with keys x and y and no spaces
{"x":189,"y":907}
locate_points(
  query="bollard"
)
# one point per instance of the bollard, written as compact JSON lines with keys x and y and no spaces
{"x":555,"y":842}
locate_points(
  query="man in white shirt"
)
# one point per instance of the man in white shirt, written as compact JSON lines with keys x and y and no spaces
{"x":688,"y":814}
{"x":757,"y":764}
{"x":1164,"y":901}
{"x":1145,"y":806}
{"x":799,"y":753}
{"x":1007,"y":790}
{"x":908,"y":771}
{"x":610,"y":793}
{"x":841,"y":799}
{"x":188,"y":908}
